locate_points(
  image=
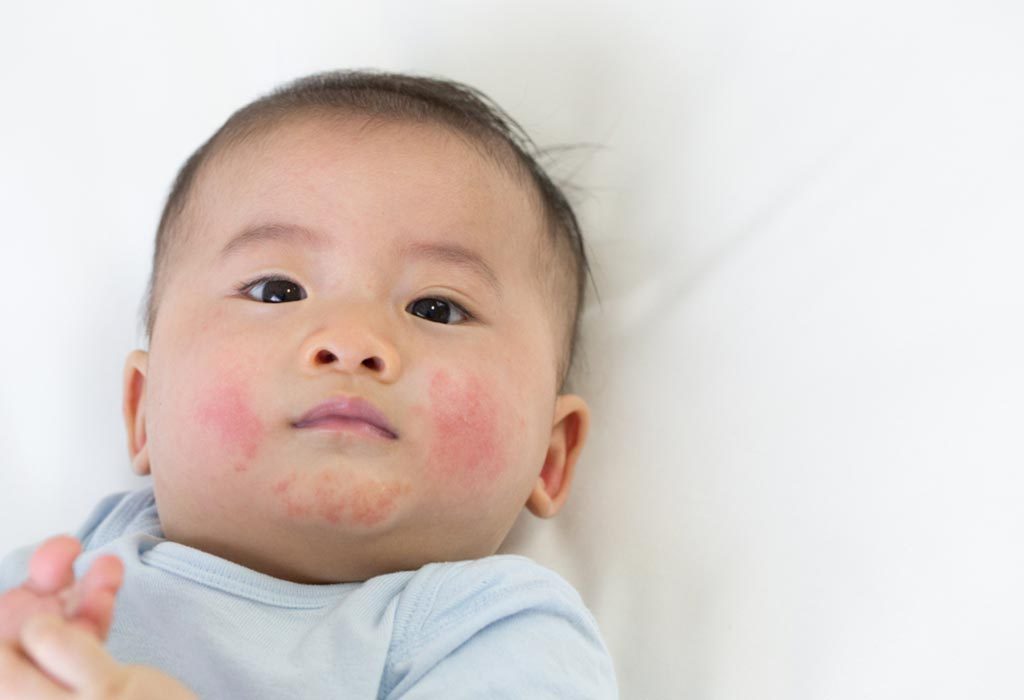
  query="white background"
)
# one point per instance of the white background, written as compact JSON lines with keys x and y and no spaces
{"x":805,"y":473}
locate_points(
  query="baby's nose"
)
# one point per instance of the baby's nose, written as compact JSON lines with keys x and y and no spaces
{"x":353,"y":347}
{"x":326,"y":357}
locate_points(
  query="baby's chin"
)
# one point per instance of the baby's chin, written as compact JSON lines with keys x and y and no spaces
{"x":324,"y":526}
{"x":351,"y":498}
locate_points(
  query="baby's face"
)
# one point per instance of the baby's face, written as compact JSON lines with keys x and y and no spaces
{"x":414,"y":288}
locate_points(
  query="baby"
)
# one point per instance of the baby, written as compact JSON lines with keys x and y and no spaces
{"x":364,"y":305}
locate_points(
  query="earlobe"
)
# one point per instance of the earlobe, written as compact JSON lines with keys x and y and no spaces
{"x":568,"y":434}
{"x":134,"y":407}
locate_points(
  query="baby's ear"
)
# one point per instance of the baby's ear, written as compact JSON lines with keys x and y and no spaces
{"x":568,"y":433}
{"x":135,"y":369}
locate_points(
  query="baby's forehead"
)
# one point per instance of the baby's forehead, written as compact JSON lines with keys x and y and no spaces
{"x":423,"y":179}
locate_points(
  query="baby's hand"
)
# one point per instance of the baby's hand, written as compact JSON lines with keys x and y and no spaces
{"x":51,"y":588}
{"x":57,"y":659}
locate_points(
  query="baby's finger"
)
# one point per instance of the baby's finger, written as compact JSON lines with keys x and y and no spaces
{"x":67,"y":653}
{"x":106,"y":574}
{"x":92,"y":601}
{"x":49,"y":569}
{"x":20,"y":678}
{"x":96,"y":613}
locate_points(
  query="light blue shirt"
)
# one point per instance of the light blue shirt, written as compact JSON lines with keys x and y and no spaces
{"x":498,"y":627}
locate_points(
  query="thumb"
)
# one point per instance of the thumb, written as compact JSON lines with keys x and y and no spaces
{"x":67,"y":653}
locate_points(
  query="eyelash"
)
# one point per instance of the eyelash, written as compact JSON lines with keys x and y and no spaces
{"x":246,"y":287}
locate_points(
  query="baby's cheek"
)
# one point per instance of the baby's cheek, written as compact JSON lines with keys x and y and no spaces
{"x":225,"y":414}
{"x":468,"y":446}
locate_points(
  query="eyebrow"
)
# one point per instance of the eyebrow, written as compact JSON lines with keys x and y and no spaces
{"x":256,"y":235}
{"x":453,"y":254}
{"x":450,"y":253}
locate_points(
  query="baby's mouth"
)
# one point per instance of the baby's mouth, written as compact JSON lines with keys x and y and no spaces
{"x":341,"y":424}
{"x":346,"y":413}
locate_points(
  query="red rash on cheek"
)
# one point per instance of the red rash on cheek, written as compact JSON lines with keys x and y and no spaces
{"x":466,"y":447}
{"x":225,"y":411}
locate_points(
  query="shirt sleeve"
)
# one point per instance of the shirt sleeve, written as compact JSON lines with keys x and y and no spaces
{"x":499,"y":627}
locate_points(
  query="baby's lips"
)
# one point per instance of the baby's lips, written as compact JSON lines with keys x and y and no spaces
{"x":347,"y":407}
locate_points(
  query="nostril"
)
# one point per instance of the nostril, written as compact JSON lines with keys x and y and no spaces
{"x":325,"y":356}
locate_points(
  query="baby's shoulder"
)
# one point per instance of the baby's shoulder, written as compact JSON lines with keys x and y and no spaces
{"x":125,"y":512}
{"x":499,"y":573}
{"x":501,"y":624}
{"x":477,"y":592}
{"x":114,"y":515}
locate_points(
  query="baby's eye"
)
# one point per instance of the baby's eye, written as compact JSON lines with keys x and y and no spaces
{"x":438,"y":309}
{"x":274,"y":290}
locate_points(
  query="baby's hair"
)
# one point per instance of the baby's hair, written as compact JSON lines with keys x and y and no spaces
{"x":387,"y":97}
